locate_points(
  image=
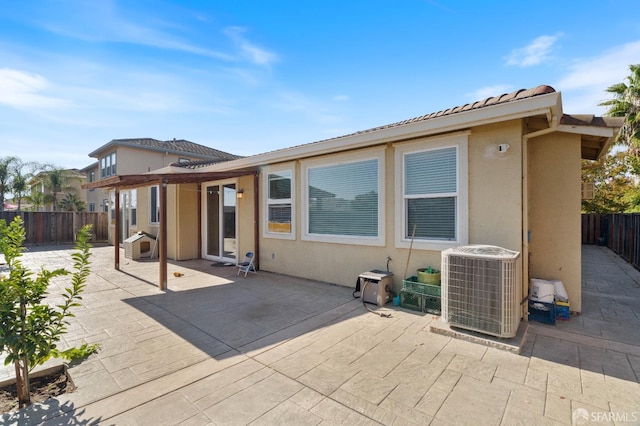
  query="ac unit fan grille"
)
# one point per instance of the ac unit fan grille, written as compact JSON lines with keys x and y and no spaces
{"x":480,"y":294}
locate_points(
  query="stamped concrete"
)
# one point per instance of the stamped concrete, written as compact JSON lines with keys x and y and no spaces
{"x":271,"y":349}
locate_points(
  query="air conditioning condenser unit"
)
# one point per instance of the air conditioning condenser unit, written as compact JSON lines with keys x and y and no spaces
{"x":481,"y":289}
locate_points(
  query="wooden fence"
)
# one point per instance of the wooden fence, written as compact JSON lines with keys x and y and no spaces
{"x":60,"y":227}
{"x":618,"y":231}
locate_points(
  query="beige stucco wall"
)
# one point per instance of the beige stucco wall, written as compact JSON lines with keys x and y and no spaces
{"x":172,"y":222}
{"x":186,"y":231}
{"x":495,"y":186}
{"x":133,"y":160}
{"x":184,"y":241}
{"x":245,"y":216}
{"x":554,"y":211}
{"x":495,"y":203}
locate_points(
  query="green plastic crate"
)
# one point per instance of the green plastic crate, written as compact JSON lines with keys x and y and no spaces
{"x":412,"y":284}
{"x":411,"y":300}
{"x":420,"y":302}
{"x":431,"y":304}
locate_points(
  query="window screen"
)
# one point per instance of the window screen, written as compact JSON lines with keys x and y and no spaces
{"x":343,"y":199}
{"x":279,"y":202}
{"x":431,"y":194}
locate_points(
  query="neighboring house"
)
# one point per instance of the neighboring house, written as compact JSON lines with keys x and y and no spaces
{"x":95,"y":198}
{"x":138,"y":207}
{"x":504,"y":171}
{"x":73,"y":181}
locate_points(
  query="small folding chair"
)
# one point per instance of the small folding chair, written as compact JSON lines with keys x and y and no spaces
{"x":246,"y":265}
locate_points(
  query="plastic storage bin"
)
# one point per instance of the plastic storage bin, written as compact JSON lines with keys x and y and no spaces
{"x":420,"y":302}
{"x":542,"y":312}
{"x":562,"y":310}
{"x":412,"y":284}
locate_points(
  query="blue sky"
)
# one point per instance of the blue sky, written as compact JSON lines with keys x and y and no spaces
{"x":253,"y":76}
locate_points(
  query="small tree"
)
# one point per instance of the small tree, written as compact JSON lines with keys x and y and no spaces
{"x":72,"y":203}
{"x":6,"y":171}
{"x":57,"y":180}
{"x":22,"y":174}
{"x":30,"y":328}
{"x":615,"y":190}
{"x":38,"y":200}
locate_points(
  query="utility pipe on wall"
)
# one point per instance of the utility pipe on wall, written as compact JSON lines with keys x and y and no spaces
{"x":525,"y":204}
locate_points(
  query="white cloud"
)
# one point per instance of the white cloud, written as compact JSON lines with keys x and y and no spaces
{"x":299,"y":103}
{"x":255,"y":54}
{"x":584,"y":85}
{"x":341,"y":98}
{"x":489,"y":91}
{"x":535,"y":53}
{"x":22,"y":89}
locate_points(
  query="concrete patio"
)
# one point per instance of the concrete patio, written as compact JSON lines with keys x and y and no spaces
{"x":271,"y":349}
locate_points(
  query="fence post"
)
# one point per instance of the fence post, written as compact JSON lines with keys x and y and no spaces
{"x":631,"y":244}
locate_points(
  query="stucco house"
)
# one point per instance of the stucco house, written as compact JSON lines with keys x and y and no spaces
{"x":139,"y":155}
{"x":503,"y":171}
{"x":73,"y":179}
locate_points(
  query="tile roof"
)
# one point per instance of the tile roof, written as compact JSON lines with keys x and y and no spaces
{"x":195,"y":164}
{"x":493,"y":100}
{"x":490,"y":101}
{"x":591,"y":120}
{"x":176,"y":146}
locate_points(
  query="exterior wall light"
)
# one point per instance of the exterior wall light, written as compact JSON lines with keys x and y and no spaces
{"x":240,"y":194}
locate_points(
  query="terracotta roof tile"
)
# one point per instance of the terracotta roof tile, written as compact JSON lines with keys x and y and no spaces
{"x":591,"y":120}
{"x":494,"y":100}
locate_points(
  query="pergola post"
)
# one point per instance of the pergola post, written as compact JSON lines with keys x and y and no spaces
{"x":199,"y":203}
{"x":162,"y":233}
{"x":116,"y":231}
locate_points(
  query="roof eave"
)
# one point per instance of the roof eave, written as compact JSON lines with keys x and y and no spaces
{"x":547,"y":104}
{"x":604,"y":135}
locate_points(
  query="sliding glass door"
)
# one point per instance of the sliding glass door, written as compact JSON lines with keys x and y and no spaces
{"x":219,"y":217}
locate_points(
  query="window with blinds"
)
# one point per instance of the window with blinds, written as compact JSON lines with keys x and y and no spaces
{"x":154,"y":204}
{"x":343,"y":199}
{"x":431,"y":194}
{"x":279,"y":206}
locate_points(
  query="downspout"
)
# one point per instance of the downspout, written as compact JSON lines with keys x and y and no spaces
{"x":256,"y":221}
{"x":116,"y":231}
{"x":525,"y":208}
{"x":199,"y":207}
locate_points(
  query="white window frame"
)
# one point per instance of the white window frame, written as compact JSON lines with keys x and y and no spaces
{"x":354,"y":157}
{"x":458,"y":141}
{"x":157,"y":206}
{"x":133,"y":205}
{"x":108,"y":165}
{"x":266,"y":171}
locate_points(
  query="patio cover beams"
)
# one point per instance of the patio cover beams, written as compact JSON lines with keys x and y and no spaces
{"x":163,"y":180}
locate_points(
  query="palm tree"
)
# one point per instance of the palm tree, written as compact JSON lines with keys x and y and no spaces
{"x":38,"y":199}
{"x":72,"y":203}
{"x":6,"y":171}
{"x":20,"y":180}
{"x":57,"y":180}
{"x":626,"y":103}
